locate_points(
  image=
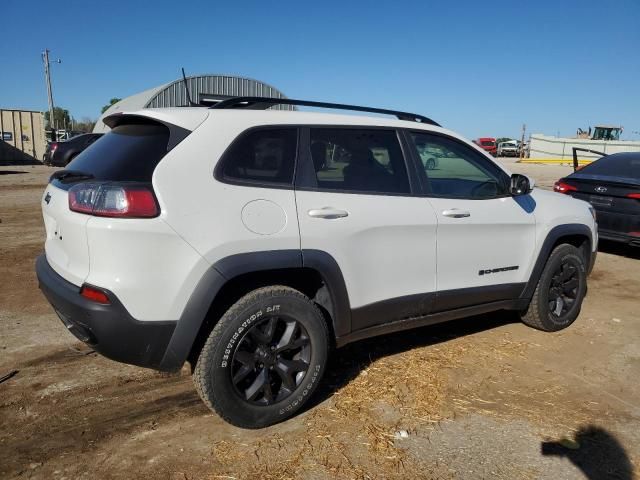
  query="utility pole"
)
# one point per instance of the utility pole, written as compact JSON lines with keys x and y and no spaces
{"x":524,"y":129}
{"x":47,"y":76}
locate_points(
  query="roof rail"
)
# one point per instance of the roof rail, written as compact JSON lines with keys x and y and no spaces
{"x":262,"y":103}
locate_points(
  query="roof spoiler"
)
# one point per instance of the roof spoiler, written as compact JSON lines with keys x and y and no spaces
{"x":176,"y":133}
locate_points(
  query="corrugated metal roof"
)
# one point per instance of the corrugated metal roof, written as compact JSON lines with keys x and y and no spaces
{"x":173,"y":94}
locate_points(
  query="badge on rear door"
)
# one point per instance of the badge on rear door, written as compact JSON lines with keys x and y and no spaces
{"x":600,"y":189}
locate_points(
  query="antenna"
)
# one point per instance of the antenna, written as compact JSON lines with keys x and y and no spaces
{"x":186,"y":87}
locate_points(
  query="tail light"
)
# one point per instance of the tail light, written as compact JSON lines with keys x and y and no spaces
{"x":563,"y":187}
{"x":634,"y":195}
{"x":113,"y":200}
{"x":54,"y":145}
{"x":94,"y":294}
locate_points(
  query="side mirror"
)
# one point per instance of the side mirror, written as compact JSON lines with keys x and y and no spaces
{"x":520,"y":184}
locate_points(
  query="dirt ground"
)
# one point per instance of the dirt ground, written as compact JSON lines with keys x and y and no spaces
{"x":483,"y":397}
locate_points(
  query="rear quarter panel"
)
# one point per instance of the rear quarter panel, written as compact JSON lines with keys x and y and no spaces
{"x":145,"y":264}
{"x":208,"y":213}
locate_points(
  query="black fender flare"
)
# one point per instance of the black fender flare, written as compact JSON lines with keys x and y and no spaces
{"x":331,"y":275}
{"x":555,"y":234}
{"x":228,"y":268}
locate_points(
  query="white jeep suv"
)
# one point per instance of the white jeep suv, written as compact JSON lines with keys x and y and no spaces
{"x":250,"y":242}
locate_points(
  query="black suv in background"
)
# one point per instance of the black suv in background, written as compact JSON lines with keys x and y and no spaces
{"x":59,"y":154}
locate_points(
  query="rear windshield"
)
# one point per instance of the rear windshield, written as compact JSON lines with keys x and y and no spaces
{"x":126,"y":153}
{"x":624,"y":165}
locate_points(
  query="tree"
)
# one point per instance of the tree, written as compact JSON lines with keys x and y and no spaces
{"x":61,"y":118}
{"x":85,"y":124}
{"x":111,"y":102}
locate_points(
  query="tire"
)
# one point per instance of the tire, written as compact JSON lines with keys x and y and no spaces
{"x":557,"y":299}
{"x":250,"y":337}
{"x":430,"y":164}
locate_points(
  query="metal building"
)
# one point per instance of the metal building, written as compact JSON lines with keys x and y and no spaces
{"x":22,"y":136}
{"x":203,"y":88}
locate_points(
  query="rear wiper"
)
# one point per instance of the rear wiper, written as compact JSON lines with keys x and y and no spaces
{"x":63,"y":175}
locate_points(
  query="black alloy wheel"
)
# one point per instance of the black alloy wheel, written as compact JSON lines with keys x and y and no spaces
{"x":563,"y":289}
{"x":557,"y":299}
{"x":271,"y":360}
{"x":264,"y":357}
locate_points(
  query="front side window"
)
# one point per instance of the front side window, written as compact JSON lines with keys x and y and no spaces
{"x":458,"y":171}
{"x":262,"y":156}
{"x":358,"y":160}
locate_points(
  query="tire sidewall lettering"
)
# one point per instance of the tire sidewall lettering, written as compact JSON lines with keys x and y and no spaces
{"x":237,"y":334}
{"x":304,"y":393}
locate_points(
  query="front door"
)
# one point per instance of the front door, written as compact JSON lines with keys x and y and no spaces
{"x":485,"y":236}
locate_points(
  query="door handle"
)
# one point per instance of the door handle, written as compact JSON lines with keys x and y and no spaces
{"x":455,"y":213}
{"x":327,"y":212}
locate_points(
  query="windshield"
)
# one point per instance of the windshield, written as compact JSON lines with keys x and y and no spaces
{"x":626,"y":165}
{"x":606,"y":133}
{"x":487,"y":143}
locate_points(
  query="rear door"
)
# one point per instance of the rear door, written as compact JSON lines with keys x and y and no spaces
{"x":357,"y":203}
{"x":486,"y":237}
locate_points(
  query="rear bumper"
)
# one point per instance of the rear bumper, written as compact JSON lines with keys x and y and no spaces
{"x":617,"y":225}
{"x":108,"y":329}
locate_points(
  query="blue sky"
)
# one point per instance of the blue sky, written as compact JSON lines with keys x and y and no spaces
{"x":480,"y":68}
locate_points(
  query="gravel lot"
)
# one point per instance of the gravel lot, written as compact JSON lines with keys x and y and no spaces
{"x":483,"y":397}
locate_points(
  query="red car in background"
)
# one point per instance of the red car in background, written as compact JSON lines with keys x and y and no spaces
{"x":488,"y":144}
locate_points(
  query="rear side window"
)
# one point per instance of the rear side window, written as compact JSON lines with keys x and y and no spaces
{"x":358,"y":160}
{"x":126,"y":153}
{"x":265,"y":156}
